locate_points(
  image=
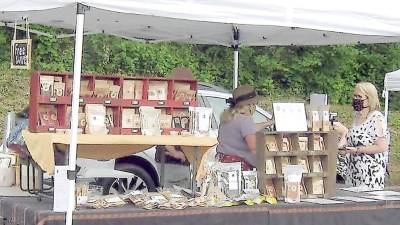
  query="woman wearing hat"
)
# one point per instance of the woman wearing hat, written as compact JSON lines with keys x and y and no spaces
{"x":237,"y":131}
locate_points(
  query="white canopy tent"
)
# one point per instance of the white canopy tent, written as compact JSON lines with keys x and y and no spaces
{"x":392,"y":83}
{"x":231,"y":23}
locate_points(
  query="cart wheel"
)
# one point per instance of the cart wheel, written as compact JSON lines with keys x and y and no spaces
{"x":141,"y":180}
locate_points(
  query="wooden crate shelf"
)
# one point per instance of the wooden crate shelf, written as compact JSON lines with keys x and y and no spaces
{"x":319,"y":158}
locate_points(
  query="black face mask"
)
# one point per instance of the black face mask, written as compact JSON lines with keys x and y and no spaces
{"x":358,"y":104}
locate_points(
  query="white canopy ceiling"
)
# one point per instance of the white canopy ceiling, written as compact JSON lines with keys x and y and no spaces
{"x":260,"y":22}
{"x":392,"y":81}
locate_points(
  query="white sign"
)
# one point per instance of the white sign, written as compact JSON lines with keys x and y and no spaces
{"x":290,"y":117}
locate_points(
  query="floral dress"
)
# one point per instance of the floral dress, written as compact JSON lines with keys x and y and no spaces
{"x":366,"y":169}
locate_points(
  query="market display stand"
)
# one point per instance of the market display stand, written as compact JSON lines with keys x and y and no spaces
{"x":58,"y":97}
{"x":316,"y":151}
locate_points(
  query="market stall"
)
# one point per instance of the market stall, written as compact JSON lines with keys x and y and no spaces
{"x":228,"y":23}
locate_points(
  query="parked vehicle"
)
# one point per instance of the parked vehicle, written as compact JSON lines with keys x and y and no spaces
{"x":144,"y":165}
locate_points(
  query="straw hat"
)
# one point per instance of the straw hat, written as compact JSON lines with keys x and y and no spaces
{"x":244,"y":95}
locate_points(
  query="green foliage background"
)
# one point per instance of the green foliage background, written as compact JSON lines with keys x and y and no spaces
{"x":282,"y":73}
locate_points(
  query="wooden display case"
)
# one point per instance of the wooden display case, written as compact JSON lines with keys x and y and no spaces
{"x":116,"y":93}
{"x":316,"y":151}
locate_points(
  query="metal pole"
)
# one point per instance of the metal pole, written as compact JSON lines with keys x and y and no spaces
{"x":386,"y":106}
{"x":80,"y":18}
{"x":235,"y":47}
{"x":236,"y":67}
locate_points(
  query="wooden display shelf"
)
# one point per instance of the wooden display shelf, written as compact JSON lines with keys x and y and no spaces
{"x":63,"y":103}
{"x":321,"y":164}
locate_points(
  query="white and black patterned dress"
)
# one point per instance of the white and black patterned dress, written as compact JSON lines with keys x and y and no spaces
{"x":366,"y":169}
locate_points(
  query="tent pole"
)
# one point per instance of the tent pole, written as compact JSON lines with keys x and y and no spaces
{"x":236,"y":67}
{"x":80,"y":18}
{"x":235,"y":47}
{"x":386,"y":106}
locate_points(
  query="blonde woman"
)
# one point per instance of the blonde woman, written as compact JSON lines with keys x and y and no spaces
{"x":236,"y":135}
{"x":365,"y":143}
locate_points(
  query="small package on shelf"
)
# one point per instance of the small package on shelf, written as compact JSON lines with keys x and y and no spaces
{"x":182,"y":92}
{"x":128,"y":91}
{"x":138,"y":89}
{"x":270,"y":166}
{"x":59,"y":89}
{"x":82,"y":120}
{"x":180,"y":119}
{"x":270,"y":142}
{"x":303,"y":143}
{"x":250,"y":181}
{"x":181,"y":85}
{"x":165,"y":121}
{"x":109,"y":117}
{"x":318,"y":185}
{"x":229,"y":178}
{"x":317,"y":165}
{"x":319,"y":143}
{"x":150,"y":120}
{"x":46,"y":85}
{"x":184,"y":95}
{"x":292,"y":180}
{"x":303,"y":162}
{"x":95,"y":119}
{"x":48,"y":116}
{"x":101,"y":89}
{"x":286,"y":144}
{"x":285,"y":161}
{"x":316,"y":121}
{"x":157,"y":90}
{"x":85,"y":91}
{"x":128,"y":118}
{"x":114,"y":91}
{"x":269,"y":188}
{"x":325,"y":120}
{"x":303,"y":189}
{"x":200,"y":118}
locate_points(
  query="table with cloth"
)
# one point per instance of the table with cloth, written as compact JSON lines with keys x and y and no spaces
{"x":42,"y":146}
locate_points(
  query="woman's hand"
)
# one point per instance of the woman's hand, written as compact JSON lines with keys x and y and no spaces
{"x":262,"y":125}
{"x":177,"y":155}
{"x":171,"y":151}
{"x":340,"y":128}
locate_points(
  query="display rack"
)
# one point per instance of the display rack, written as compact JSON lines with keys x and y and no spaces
{"x":56,"y":103}
{"x":316,"y":151}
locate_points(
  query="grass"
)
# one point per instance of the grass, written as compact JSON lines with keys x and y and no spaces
{"x":14,"y":96}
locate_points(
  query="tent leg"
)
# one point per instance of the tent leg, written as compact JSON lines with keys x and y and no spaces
{"x":236,"y":67}
{"x":386,"y":106}
{"x":80,"y":18}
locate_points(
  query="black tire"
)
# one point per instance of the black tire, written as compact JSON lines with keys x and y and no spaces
{"x":141,"y":180}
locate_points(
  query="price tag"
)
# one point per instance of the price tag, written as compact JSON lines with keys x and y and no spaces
{"x":80,"y":100}
{"x":161,"y":103}
{"x":53,"y":99}
{"x":107,"y":101}
{"x":135,"y":102}
{"x":186,"y":103}
{"x":52,"y":129}
{"x":135,"y":130}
